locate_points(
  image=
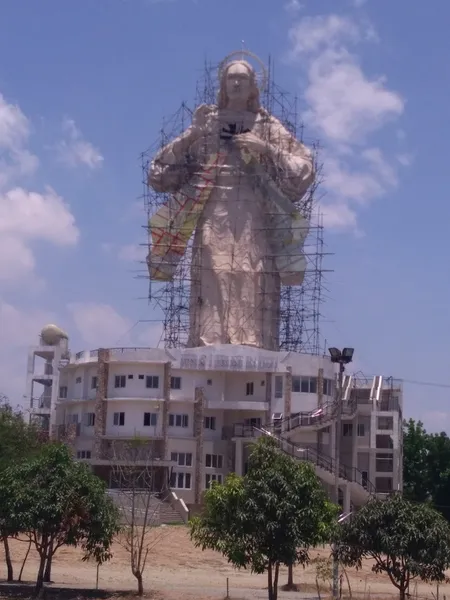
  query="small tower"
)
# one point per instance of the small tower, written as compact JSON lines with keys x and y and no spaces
{"x":43,"y":375}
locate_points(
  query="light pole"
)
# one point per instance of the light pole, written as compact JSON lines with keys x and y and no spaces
{"x":341,"y":358}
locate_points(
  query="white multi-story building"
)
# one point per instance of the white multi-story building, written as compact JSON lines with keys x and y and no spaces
{"x":199,"y":408}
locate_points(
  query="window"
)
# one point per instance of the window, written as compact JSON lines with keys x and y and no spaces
{"x":214,"y":461}
{"x":249,"y":388}
{"x":361,"y":430}
{"x":347,"y":429}
{"x":210,"y":423}
{"x":152,"y":382}
{"x":89,"y":419}
{"x":327,"y":387}
{"x":384,"y":441}
{"x":120,"y":381}
{"x":84,"y":454}
{"x":63,"y":391}
{"x":73,"y":419}
{"x":78,"y":380}
{"x":278,"y":386}
{"x":140,"y":377}
{"x":119,"y":419}
{"x":383,"y":484}
{"x":296,"y":383}
{"x":183,"y":459}
{"x":93,"y":383}
{"x":386,"y":423}
{"x":210,"y":477}
{"x":178,"y":421}
{"x":308,"y":385}
{"x":209,"y":382}
{"x":253,"y":422}
{"x":384,"y":463}
{"x":365,"y":478}
{"x":150,"y":419}
{"x":180,"y":481}
{"x":175,"y":383}
{"x":130,"y":376}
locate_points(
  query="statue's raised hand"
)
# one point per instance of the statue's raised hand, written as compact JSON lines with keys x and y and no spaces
{"x":251,"y":142}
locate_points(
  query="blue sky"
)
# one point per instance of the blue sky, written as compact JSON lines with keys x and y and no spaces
{"x":84,"y":87}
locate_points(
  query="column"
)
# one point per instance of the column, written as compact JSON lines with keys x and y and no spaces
{"x":268,"y":415}
{"x":166,"y":409}
{"x":320,"y":388}
{"x":239,"y":457}
{"x":347,"y":499}
{"x":101,"y":408}
{"x":287,"y":395}
{"x":198,"y":434}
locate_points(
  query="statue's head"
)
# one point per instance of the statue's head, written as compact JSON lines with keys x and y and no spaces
{"x":238,"y":83}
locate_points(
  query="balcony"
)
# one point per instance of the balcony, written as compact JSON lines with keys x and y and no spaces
{"x":243,"y":404}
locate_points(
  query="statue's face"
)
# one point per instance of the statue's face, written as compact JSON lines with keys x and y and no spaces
{"x":238,"y":82}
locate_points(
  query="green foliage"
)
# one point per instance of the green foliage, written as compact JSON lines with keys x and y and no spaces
{"x":415,"y":461}
{"x":426,"y":466}
{"x":58,"y":501}
{"x":18,"y":439}
{"x":270,"y":517}
{"x":406,"y":540}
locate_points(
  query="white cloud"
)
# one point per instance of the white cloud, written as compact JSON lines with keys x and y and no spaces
{"x":74,"y":150}
{"x":19,"y":330}
{"x":102,"y":325}
{"x":406,"y":160}
{"x":358,"y":3}
{"x":345,"y":107}
{"x":15,"y":159}
{"x":293,"y":6}
{"x":99,"y":324}
{"x":26,"y":217}
{"x":133,"y":253}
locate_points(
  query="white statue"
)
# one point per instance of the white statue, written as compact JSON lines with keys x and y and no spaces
{"x":235,"y":176}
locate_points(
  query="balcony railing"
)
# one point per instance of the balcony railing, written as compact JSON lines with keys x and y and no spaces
{"x":307,"y":453}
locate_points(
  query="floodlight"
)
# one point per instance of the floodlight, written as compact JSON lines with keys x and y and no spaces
{"x":347,"y":354}
{"x":335,"y":354}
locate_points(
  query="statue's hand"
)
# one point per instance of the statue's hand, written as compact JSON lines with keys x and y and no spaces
{"x":251,"y":142}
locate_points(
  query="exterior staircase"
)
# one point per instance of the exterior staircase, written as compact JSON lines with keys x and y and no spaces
{"x":324,"y":465}
{"x":160,"y":511}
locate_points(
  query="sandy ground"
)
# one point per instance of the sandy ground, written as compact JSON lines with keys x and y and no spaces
{"x":177,"y":570}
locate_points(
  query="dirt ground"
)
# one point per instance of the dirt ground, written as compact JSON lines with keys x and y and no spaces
{"x":178,"y":571}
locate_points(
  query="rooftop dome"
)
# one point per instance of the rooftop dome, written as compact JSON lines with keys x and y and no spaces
{"x":51,"y":335}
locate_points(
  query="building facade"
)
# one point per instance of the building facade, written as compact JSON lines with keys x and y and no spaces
{"x":198,"y":410}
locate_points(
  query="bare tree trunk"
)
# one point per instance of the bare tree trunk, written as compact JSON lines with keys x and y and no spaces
{"x":269,"y":581}
{"x":9,"y":566}
{"x":48,"y":568}
{"x":275,"y":581}
{"x":290,"y":583}
{"x":25,"y":560}
{"x":40,"y":576}
{"x":43,"y":555}
{"x":290,"y":576}
{"x":138,"y":576}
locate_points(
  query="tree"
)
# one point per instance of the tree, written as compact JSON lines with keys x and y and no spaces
{"x":426,"y":466}
{"x":416,"y":480}
{"x":269,"y":517}
{"x":18,"y":440}
{"x":134,"y":473}
{"x":58,"y":501}
{"x":405,"y":540}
